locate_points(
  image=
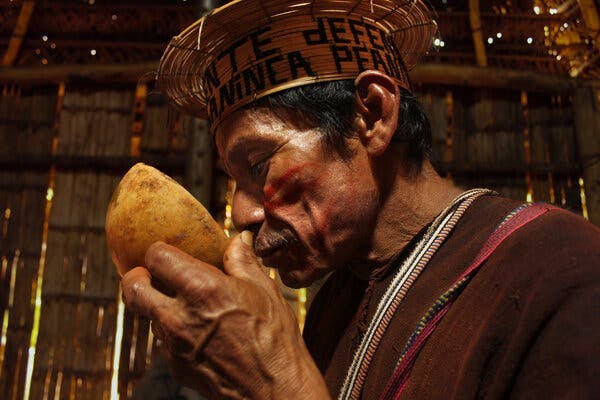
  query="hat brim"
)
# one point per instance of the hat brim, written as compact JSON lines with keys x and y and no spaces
{"x":182,"y":69}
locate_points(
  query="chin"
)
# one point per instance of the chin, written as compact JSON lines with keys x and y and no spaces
{"x":287,"y":266}
{"x":301,"y":277}
{"x":295,"y":272}
{"x":294,"y":279}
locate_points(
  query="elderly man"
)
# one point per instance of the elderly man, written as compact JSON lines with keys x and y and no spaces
{"x":434,"y":293}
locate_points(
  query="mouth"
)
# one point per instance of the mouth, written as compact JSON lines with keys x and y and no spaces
{"x":266,"y":251}
{"x":266,"y":246}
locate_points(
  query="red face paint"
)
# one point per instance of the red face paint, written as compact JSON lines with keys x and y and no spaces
{"x":286,"y":188}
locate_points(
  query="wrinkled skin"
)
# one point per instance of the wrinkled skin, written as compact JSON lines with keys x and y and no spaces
{"x":307,"y":206}
{"x":227,"y":334}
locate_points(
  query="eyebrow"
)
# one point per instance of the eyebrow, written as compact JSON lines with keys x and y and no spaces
{"x":243,"y":147}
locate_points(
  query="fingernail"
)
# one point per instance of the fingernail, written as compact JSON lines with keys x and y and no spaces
{"x":247,"y":237}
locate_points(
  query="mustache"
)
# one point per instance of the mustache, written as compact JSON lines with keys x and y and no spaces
{"x":268,"y":243}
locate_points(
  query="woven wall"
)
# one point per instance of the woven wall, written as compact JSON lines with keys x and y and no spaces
{"x":26,"y":127}
{"x":514,"y":142}
{"x":77,"y":331}
{"x":93,"y":130}
{"x":79,"y":140}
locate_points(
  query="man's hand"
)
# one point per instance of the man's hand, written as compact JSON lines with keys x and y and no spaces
{"x":228,"y":334}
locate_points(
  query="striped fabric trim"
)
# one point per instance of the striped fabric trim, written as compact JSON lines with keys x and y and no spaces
{"x":440,"y":303}
{"x":513,"y":213}
{"x":449,"y":295}
{"x":401,"y":283}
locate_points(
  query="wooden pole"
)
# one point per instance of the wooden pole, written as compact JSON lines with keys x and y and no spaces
{"x":14,"y":45}
{"x":587,"y":130}
{"x":489,"y":77}
{"x":592,"y":22}
{"x":427,"y":73}
{"x":475,"y":19}
{"x":199,"y":165}
{"x":566,"y":6}
{"x":69,"y":72}
{"x":590,"y":17}
{"x":527,"y":144}
{"x":73,"y":43}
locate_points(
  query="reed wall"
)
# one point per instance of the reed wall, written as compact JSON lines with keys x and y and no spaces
{"x":64,"y":148}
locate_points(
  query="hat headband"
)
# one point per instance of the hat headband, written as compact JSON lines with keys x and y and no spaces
{"x":296,"y":52}
{"x":249,"y":49}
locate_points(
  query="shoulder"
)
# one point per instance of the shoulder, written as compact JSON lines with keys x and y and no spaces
{"x":557,"y":245}
{"x":548,"y":270}
{"x":527,"y":323}
{"x":557,"y":240}
{"x":553,"y":266}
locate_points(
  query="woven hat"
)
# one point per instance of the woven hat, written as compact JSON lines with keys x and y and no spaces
{"x":248,"y":49}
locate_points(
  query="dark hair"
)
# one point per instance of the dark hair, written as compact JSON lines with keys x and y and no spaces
{"x":331,"y":107}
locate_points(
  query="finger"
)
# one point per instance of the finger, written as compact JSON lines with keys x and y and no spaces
{"x":176,"y":269}
{"x":241,"y":262}
{"x":139,"y":295}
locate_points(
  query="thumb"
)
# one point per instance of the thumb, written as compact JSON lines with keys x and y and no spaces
{"x":241,"y":262}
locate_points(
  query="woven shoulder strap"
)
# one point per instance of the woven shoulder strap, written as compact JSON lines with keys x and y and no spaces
{"x":511,"y":223}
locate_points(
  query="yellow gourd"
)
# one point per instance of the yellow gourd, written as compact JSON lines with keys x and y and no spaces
{"x":149,"y":206}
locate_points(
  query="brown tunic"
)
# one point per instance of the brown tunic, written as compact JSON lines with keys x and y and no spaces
{"x":527,"y":326}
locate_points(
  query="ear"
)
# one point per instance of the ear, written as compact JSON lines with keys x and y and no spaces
{"x":377,"y":105}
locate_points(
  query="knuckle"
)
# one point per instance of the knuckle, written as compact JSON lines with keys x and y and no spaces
{"x":202,"y":284}
{"x":157,"y":254}
{"x":131,"y":292}
{"x":236,"y":251}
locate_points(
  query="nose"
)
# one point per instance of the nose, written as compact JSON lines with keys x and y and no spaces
{"x":247,"y":211}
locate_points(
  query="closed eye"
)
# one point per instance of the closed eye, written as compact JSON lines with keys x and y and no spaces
{"x":258,"y":169}
{"x":259,"y":163}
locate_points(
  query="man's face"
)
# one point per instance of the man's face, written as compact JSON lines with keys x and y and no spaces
{"x":310,"y":210}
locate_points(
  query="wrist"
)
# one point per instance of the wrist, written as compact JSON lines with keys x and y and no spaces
{"x":300,"y":379}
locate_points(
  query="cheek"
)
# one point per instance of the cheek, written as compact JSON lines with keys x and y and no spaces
{"x":344,"y":211}
{"x":288,"y":188}
{"x":324,"y":219}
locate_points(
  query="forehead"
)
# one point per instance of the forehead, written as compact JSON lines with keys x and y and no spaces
{"x":251,"y":127}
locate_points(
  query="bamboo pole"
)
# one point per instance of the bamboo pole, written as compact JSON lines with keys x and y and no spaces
{"x":498,"y":78}
{"x":96,"y":73}
{"x":527,"y":144}
{"x":592,"y":22}
{"x":590,"y":17}
{"x":449,"y":148}
{"x":14,"y":45}
{"x":475,"y":20}
{"x":426,"y":73}
{"x":587,"y":129}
